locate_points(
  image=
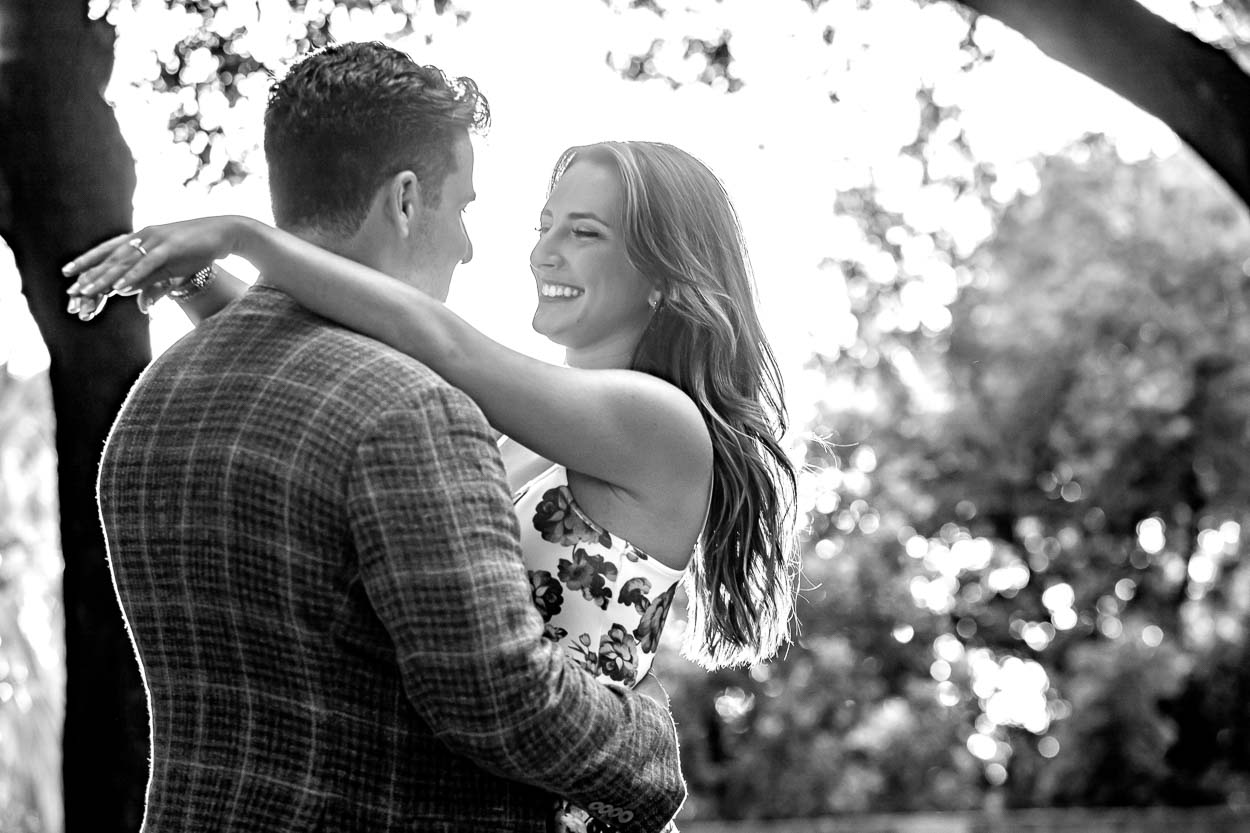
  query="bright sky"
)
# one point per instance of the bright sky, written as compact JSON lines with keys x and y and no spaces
{"x":781,"y":146}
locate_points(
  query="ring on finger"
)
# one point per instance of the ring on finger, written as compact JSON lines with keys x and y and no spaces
{"x":137,"y":244}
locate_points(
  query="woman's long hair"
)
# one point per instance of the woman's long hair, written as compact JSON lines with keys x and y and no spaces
{"x":705,"y":337}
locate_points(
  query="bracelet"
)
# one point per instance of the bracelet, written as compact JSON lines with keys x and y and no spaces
{"x":194,"y":285}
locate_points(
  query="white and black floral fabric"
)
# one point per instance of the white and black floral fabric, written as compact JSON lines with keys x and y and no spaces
{"x":602,"y":599}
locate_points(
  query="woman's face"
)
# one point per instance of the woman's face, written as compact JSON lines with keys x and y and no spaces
{"x":591,"y":299}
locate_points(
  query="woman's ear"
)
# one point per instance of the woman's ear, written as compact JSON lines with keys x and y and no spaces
{"x":654,"y":297}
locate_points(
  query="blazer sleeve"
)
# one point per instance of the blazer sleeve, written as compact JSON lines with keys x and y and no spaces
{"x":436,"y":535}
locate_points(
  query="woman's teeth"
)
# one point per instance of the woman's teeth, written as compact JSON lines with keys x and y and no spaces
{"x":559,"y":290}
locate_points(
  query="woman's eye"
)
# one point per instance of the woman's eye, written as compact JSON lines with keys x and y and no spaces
{"x":541,"y":230}
{"x":585,"y":232}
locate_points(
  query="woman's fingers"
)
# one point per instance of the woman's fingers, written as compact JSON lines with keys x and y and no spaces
{"x":94,"y":255}
{"x":102,"y":269}
{"x":87,"y":307}
{"x":94,"y":307}
{"x":100,"y":277}
{"x":146,"y":270}
{"x":95,"y":280}
{"x":126,"y":269}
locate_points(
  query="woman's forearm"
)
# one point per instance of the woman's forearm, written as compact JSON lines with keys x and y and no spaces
{"x":603,"y":423}
{"x":368,"y":301}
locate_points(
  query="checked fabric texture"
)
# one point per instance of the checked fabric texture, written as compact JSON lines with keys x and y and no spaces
{"x":315,"y":553}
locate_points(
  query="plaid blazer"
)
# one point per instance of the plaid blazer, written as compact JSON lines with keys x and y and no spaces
{"x":315,"y":553}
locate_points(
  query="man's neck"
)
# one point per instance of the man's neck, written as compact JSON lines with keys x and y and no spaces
{"x":350,"y":248}
{"x":361,"y":247}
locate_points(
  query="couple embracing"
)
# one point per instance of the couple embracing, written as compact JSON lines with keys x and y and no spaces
{"x":383,"y":573}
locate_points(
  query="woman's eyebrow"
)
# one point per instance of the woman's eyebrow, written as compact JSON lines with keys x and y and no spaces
{"x":578,"y":215}
{"x":587,"y":215}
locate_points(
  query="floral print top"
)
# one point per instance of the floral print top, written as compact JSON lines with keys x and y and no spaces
{"x":603,"y":599}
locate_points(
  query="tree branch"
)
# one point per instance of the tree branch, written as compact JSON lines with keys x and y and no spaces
{"x":1198,"y":90}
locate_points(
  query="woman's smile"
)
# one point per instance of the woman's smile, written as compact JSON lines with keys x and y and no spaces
{"x":555,"y":291}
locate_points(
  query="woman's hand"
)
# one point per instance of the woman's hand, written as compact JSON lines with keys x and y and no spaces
{"x":149,"y":261}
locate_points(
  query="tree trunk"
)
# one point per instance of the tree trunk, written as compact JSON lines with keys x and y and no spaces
{"x":1198,"y":90}
{"x":66,"y":181}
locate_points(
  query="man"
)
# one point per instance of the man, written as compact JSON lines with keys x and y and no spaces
{"x":312,"y":541}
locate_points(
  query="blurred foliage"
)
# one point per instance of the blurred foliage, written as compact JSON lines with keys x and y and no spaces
{"x":223,"y":52}
{"x":1025,"y":526}
{"x":1226,"y":24}
{"x":1222,"y":23}
{"x":31,"y":661}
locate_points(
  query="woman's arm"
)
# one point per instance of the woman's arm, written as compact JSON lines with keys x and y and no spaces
{"x":629,"y":429}
{"x":626,"y":428}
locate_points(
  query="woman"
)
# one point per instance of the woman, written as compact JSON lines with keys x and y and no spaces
{"x":653,"y":454}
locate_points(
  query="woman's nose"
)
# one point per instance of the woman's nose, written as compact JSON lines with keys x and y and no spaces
{"x":544,"y":254}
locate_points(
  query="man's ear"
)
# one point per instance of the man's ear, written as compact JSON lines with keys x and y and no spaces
{"x":403,"y":202}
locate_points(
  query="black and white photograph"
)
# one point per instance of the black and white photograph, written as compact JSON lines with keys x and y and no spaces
{"x":624,"y":416}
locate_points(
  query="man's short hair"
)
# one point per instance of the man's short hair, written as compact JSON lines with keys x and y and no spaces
{"x":347,"y":118}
